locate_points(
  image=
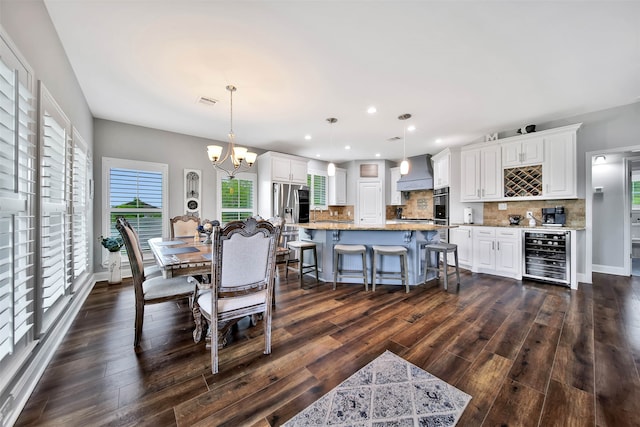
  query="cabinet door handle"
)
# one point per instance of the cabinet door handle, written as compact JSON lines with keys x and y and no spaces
{"x":469,"y":231}
{"x":483,"y":192}
{"x":493,"y":246}
{"x":478,"y":192}
{"x":498,"y":245}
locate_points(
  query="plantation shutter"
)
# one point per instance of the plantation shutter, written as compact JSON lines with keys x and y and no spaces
{"x":80,"y":180}
{"x":237,"y":197}
{"x":55,"y":192}
{"x":17,"y":189}
{"x":317,"y":184}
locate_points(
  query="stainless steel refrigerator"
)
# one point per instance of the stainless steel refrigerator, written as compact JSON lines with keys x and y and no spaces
{"x":291,"y":202}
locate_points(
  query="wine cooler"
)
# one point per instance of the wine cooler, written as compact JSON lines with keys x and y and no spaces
{"x":546,"y":256}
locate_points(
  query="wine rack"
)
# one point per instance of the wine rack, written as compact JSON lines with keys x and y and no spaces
{"x":523,"y":181}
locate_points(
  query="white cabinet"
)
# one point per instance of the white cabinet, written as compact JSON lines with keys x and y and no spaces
{"x":338,"y":188}
{"x":462,"y":236}
{"x":497,"y":250}
{"x":559,"y":167}
{"x":285,"y":168}
{"x":442,"y":169}
{"x":481,"y":173}
{"x":529,"y":151}
{"x":395,"y":196}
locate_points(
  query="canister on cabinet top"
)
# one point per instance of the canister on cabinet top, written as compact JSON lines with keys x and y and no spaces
{"x":468,"y":216}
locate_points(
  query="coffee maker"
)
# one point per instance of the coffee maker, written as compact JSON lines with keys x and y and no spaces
{"x":554,"y":216}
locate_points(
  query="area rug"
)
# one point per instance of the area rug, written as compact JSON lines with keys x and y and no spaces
{"x":389,"y":391}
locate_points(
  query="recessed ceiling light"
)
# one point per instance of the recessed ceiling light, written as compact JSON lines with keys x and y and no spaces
{"x":411,"y":128}
{"x":317,"y":155}
{"x":372,"y":110}
{"x":307,"y":137}
{"x":347,"y":147}
{"x":438,"y":140}
{"x":377,"y":154}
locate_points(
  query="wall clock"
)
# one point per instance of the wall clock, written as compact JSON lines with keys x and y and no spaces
{"x":192,"y":191}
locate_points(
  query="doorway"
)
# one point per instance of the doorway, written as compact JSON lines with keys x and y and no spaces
{"x":370,"y":203}
{"x":633,"y":168}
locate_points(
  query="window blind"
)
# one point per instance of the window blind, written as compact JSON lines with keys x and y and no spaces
{"x":237,"y":198}
{"x":80,"y":234}
{"x":317,"y":184}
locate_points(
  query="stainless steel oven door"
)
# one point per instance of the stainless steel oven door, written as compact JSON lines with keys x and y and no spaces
{"x":441,"y":203}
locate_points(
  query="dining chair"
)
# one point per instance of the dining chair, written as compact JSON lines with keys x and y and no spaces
{"x":149,"y":290}
{"x":242,"y":273}
{"x":150,"y":270}
{"x":184,"y":226}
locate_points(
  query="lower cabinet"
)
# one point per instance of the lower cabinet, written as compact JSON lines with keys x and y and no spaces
{"x":462,"y":236}
{"x":497,"y":250}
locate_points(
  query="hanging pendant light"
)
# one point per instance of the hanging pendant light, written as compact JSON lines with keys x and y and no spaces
{"x":237,"y":154}
{"x":331,"y":168}
{"x":404,"y":166}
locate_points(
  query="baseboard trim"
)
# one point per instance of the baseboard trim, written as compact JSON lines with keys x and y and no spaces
{"x":607,"y":269}
{"x":34,"y":369}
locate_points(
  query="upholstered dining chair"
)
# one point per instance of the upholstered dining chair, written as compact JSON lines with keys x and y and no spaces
{"x":149,"y":290}
{"x":243,"y":268}
{"x":184,"y":226}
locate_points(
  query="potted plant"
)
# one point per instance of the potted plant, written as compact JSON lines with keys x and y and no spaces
{"x":113,"y":245}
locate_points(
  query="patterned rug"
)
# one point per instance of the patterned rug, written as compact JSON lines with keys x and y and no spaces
{"x":387,"y":392}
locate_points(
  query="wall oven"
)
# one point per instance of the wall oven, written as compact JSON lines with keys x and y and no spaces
{"x":441,"y":211}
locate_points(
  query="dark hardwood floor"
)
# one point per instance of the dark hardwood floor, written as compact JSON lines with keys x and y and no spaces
{"x":529,"y":354}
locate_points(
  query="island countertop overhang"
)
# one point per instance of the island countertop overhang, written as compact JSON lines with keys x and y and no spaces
{"x":364,"y":227}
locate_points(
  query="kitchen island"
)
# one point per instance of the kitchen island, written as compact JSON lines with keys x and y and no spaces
{"x":413,"y":236}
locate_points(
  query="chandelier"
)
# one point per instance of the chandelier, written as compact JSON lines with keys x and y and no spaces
{"x":241,"y":160}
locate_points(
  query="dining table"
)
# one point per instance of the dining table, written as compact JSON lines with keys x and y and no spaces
{"x":184,"y":256}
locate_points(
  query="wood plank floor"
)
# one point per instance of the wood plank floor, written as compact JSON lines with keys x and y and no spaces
{"x":529,"y":354}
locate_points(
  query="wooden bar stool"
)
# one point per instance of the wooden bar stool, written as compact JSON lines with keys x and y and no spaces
{"x":399,"y":251}
{"x":339,"y":250}
{"x":442,"y":248}
{"x":301,"y":246}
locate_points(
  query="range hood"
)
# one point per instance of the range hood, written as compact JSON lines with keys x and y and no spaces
{"x":420,"y":176}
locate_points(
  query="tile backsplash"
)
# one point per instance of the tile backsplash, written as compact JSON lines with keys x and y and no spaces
{"x":419,"y":204}
{"x":574,"y":210}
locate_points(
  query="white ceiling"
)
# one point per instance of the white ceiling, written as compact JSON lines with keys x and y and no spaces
{"x":462,"y":69}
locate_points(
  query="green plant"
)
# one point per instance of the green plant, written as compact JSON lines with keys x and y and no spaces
{"x":112,"y":244}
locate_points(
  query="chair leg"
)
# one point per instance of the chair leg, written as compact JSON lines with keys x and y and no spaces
{"x":364,"y":271}
{"x":138,"y":323}
{"x":214,"y":344}
{"x":197,"y":319}
{"x":300,"y":266}
{"x":336,"y":255}
{"x":455,"y":256}
{"x":405,"y":271}
{"x":445,"y":269}
{"x":373,"y":272}
{"x":315,"y":263}
{"x":267,"y":332}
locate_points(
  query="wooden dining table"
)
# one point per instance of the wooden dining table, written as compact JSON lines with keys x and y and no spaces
{"x":181,"y":256}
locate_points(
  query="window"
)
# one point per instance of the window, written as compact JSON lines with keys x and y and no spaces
{"x":137,"y":191}
{"x":317,"y":182}
{"x":236,"y":197}
{"x":635,"y":190}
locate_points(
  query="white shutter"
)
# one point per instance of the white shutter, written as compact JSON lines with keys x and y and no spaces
{"x":17,"y":190}
{"x":80,"y":235}
{"x":54,"y":194}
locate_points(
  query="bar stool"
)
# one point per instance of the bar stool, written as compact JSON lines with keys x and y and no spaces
{"x":399,"y":251}
{"x":442,"y":248}
{"x":339,"y":250}
{"x":301,"y":246}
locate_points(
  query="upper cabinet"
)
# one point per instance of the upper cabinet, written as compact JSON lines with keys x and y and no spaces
{"x":284,"y":168}
{"x":540,"y":165}
{"x":442,"y":169}
{"x":338,"y":188}
{"x":559,"y":168}
{"x":529,"y":151}
{"x":481,"y":177}
{"x":395,"y":196}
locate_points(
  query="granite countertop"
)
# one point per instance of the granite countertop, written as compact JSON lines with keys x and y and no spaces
{"x":417,"y":226}
{"x":525,"y":227}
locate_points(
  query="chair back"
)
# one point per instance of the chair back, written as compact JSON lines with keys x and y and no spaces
{"x":184,"y":226}
{"x":134,"y":253}
{"x":243,"y":255}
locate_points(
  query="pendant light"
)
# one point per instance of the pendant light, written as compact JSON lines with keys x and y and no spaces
{"x":331,"y":168}
{"x":404,"y":166}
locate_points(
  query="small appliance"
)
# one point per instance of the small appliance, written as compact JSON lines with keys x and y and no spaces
{"x":554,"y":217}
{"x":514,"y":219}
{"x":398,"y":213}
{"x":468,"y":216}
